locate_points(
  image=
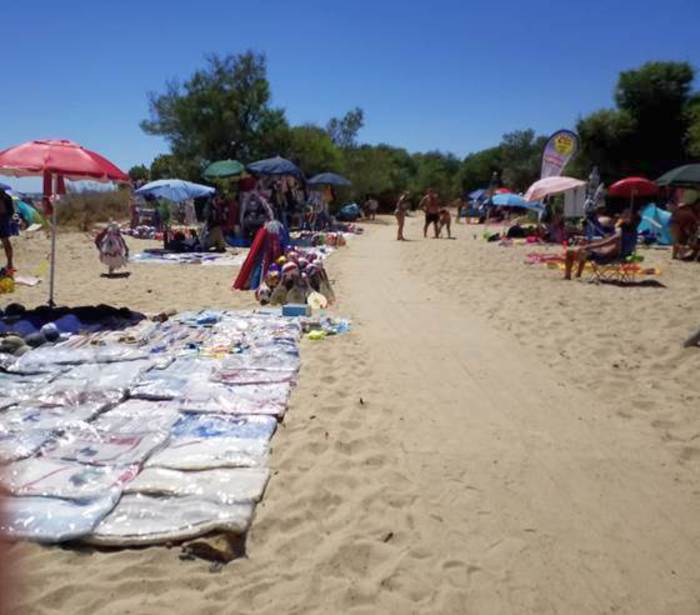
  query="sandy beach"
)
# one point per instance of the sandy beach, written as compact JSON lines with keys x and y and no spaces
{"x":488,"y":439}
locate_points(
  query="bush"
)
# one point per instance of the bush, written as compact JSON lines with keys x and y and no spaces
{"x":83,"y":211}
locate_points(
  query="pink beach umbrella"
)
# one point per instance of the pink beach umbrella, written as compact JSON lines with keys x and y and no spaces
{"x":551,"y":185}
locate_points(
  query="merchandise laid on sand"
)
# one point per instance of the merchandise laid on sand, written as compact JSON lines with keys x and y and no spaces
{"x":144,"y":433}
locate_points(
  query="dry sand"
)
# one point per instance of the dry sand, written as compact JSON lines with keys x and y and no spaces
{"x":488,"y":439}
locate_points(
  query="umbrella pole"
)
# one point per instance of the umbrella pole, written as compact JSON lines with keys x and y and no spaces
{"x":52,"y":272}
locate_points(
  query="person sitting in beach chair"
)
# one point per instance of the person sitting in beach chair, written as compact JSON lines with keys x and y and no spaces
{"x":615,"y":249}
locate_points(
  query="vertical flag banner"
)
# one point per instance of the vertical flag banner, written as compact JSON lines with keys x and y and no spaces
{"x":560,"y":149}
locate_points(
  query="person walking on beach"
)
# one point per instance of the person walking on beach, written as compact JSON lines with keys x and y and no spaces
{"x":400,"y":213}
{"x":371,"y":206}
{"x":7,"y":210}
{"x":430,"y":204}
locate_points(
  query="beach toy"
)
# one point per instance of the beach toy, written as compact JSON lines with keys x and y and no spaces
{"x":7,"y":285}
{"x":317,"y":301}
{"x":316,"y":335}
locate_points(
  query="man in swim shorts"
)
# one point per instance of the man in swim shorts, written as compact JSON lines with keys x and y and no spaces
{"x":431,"y":206}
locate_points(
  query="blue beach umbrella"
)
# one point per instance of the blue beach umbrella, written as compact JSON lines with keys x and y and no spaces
{"x":476,"y":195}
{"x":329,"y":179}
{"x":176,"y":190}
{"x":514,"y":200}
{"x":274,"y":166}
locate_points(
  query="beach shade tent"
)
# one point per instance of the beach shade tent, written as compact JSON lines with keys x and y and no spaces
{"x":175,"y":190}
{"x":655,"y":223}
{"x":687,"y":176}
{"x":57,"y":160}
{"x":552,"y":185}
{"x":632,"y":187}
{"x":329,"y":179}
{"x":275,"y":166}
{"x":224,"y":168}
{"x":514,"y":200}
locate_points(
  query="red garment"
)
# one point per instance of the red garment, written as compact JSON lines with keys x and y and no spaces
{"x":247,"y":184}
{"x":232,"y":214}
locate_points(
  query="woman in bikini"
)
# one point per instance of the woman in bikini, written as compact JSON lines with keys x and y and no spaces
{"x":400,"y":213}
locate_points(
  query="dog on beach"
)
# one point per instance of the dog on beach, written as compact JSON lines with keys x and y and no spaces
{"x":444,"y":221}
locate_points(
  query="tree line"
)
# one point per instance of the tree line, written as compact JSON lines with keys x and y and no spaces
{"x":224,"y":111}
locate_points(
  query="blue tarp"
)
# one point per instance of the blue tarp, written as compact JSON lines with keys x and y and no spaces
{"x":655,"y":224}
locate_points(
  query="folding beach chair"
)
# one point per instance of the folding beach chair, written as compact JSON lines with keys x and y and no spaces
{"x":621,"y":271}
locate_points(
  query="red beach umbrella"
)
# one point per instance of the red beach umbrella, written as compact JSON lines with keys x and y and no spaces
{"x":55,"y":160}
{"x":633,"y":186}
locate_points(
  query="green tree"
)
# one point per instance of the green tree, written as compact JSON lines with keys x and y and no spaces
{"x":438,"y":171}
{"x":656,"y":95}
{"x":343,"y":131}
{"x":313,"y":150}
{"x":478,"y":168}
{"x":521,"y":158}
{"x":164,"y":167}
{"x":606,"y":138}
{"x":139,"y":172}
{"x":693,"y":135}
{"x":222,"y":111}
{"x":379,"y":170}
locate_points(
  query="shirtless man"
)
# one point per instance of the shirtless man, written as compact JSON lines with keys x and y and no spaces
{"x":431,"y":206}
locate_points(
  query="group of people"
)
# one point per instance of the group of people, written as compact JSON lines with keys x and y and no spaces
{"x":435,"y":214}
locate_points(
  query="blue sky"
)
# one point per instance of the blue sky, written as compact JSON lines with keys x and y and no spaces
{"x":446,"y":74}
